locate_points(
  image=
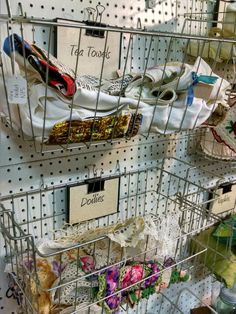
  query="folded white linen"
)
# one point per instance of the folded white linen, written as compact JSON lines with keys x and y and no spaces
{"x":175,"y":117}
{"x":169,"y":113}
{"x":40,"y":119}
{"x":176,"y":76}
{"x":103,"y":102}
{"x":37,"y":118}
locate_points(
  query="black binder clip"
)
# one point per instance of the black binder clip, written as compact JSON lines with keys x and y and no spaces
{"x":96,"y":185}
{"x":95,"y":22}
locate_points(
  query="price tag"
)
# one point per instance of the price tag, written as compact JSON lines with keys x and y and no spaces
{"x":17,"y":90}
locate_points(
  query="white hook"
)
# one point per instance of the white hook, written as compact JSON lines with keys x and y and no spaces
{"x":91,"y":171}
{"x":42,"y":186}
{"x":98,"y":172}
{"x":91,"y":13}
{"x":100,"y":9}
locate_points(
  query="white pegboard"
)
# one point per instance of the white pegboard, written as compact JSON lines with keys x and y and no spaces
{"x":120,"y":13}
{"x":21,"y":169}
{"x":24,"y":171}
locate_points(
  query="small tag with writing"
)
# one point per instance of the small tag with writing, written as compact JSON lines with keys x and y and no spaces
{"x":17,"y":90}
{"x":225,"y":200}
{"x":93,"y":200}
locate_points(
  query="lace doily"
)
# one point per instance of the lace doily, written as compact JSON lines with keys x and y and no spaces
{"x":75,"y":292}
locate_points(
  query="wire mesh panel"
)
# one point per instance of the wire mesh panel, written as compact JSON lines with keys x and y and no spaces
{"x":24,"y":170}
{"x":150,"y":94}
{"x":153,"y":237}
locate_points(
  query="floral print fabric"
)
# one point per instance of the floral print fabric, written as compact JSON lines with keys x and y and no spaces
{"x":116,"y":283}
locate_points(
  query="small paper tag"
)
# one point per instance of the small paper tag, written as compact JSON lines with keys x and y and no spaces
{"x":17,"y":90}
{"x":202,"y":90}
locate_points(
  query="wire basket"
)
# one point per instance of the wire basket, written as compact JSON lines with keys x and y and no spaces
{"x":64,"y":268}
{"x":64,"y":108}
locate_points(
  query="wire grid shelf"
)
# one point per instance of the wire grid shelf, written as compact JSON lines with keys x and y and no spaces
{"x":186,"y":292}
{"x":23,"y":225}
{"x":178,"y":52}
{"x":159,"y":111}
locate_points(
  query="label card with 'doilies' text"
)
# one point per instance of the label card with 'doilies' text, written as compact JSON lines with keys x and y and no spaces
{"x":16,"y":90}
{"x":92,"y":200}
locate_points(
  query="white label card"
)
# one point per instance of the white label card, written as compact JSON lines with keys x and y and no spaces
{"x":90,"y":52}
{"x":93,"y":200}
{"x":225,"y":201}
{"x":16,"y":90}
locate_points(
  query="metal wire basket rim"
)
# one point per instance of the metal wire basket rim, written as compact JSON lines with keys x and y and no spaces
{"x":48,"y":22}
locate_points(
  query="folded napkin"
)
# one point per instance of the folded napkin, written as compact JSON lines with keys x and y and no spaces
{"x":34,"y":61}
